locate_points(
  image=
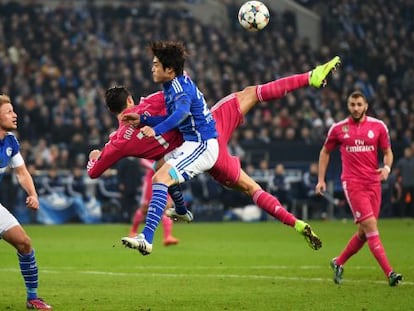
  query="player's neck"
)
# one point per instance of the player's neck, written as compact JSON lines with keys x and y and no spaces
{"x":360,"y":120}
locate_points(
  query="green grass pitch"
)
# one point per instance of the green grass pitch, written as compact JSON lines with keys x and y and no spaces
{"x":216,"y":266}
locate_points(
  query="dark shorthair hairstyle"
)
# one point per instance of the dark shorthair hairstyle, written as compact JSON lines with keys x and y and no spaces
{"x":357,"y":94}
{"x":170,"y":54}
{"x":116,"y":98}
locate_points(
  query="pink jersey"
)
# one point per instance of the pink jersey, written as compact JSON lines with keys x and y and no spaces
{"x":127,"y":141}
{"x":359,"y":144}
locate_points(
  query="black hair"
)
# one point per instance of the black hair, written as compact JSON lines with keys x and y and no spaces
{"x":170,"y":54}
{"x":116,"y":98}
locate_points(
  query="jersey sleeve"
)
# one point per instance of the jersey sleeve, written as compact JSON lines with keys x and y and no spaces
{"x":384,"y":137}
{"x":331,"y":140}
{"x":111,"y":153}
{"x":151,"y":120}
{"x":16,"y":158}
{"x":182,"y":105}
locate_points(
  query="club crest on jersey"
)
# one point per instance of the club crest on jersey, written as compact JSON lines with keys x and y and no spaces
{"x":9,"y":151}
{"x":370,"y":134}
{"x":345,"y":128}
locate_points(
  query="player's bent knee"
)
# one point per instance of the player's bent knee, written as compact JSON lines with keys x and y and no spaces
{"x":174,"y":175}
{"x":166,"y":177}
{"x":24,"y":246}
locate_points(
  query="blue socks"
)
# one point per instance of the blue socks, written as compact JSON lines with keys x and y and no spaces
{"x":177,"y":196}
{"x":155,"y":210}
{"x":28,"y":268}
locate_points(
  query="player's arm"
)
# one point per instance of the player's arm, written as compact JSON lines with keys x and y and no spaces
{"x":385,"y":145}
{"x":181,"y":112}
{"x":26,"y":181}
{"x":152,"y":120}
{"x":388,"y":159}
{"x":135,"y":119}
{"x":324,"y":156}
{"x":100,"y":161}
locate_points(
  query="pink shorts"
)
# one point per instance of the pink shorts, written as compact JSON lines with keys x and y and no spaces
{"x":228,"y":117}
{"x":363,"y":199}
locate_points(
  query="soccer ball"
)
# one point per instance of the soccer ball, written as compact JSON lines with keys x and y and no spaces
{"x":254,"y":15}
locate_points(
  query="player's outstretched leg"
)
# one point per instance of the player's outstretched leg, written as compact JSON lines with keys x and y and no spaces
{"x":310,"y":237}
{"x":318,"y":75}
{"x":338,"y":271}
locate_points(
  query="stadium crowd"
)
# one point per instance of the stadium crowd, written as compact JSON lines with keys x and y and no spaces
{"x":56,"y":63}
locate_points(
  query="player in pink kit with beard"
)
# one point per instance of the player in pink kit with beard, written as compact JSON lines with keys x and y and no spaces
{"x":359,"y":138}
{"x":228,"y":114}
{"x":141,"y":212}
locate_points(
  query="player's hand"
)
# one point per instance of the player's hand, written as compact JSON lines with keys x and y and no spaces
{"x":320,"y":188}
{"x":147,"y":131}
{"x":94,"y":154}
{"x":32,"y":202}
{"x":131,"y":118}
{"x":384,"y":173}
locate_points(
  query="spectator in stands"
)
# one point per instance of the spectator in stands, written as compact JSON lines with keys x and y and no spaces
{"x":129,"y":186}
{"x":405,"y":169}
{"x":107,"y":193}
{"x":280,"y":187}
{"x":316,"y":203}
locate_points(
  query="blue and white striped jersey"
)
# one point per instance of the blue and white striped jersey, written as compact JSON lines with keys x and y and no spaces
{"x":182,"y":94}
{"x":9,"y":153}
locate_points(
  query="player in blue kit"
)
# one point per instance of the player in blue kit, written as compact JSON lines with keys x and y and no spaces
{"x":10,"y":229}
{"x":187,"y":111}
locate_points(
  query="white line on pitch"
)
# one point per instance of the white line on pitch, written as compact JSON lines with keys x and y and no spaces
{"x":211,"y":275}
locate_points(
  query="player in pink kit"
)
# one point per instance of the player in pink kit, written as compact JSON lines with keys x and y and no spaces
{"x":228,"y":114}
{"x":359,"y":138}
{"x":141,"y":212}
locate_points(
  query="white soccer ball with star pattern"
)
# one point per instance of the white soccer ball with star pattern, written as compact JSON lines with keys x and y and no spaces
{"x":254,"y":15}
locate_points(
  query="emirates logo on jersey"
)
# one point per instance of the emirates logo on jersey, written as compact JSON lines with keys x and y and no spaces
{"x":359,"y":146}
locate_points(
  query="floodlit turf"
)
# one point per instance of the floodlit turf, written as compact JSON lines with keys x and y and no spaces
{"x":216,"y":266}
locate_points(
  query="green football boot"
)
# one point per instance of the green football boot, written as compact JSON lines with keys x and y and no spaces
{"x":318,"y":75}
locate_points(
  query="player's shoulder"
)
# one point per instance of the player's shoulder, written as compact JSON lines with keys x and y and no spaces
{"x":340,"y":124}
{"x":337,"y":127}
{"x":11,"y":138}
{"x":373,"y":120}
{"x":182,"y":84}
{"x":153,"y":104}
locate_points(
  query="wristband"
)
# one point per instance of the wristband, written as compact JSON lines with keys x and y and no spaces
{"x":387,"y":168}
